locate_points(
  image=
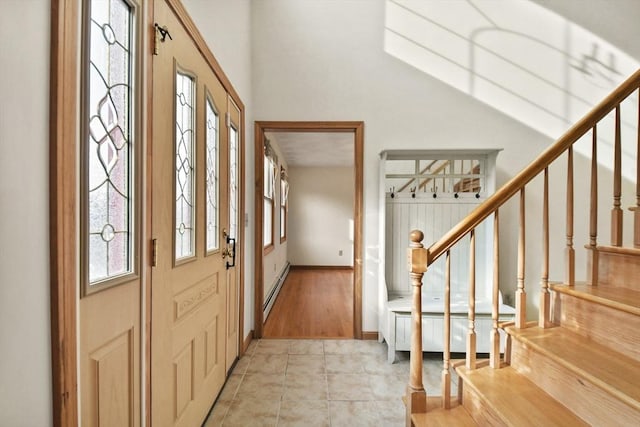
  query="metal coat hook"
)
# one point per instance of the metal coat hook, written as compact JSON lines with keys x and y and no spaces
{"x":164,"y":32}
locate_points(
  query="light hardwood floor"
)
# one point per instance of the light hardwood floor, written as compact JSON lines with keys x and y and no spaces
{"x":313,"y":303}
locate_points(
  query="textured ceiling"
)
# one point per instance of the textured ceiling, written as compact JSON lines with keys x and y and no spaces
{"x":315,"y":149}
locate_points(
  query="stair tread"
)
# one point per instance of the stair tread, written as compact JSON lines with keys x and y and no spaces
{"x":438,"y":417}
{"x":623,"y":299}
{"x":599,"y":364}
{"x":517,"y":400}
{"x":619,"y":250}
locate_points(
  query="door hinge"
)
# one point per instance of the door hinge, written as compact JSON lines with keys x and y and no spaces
{"x":154,"y":252}
{"x":227,"y":118}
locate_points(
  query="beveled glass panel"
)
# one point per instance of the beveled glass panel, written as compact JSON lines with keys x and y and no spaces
{"x":109,"y":166}
{"x":184,"y":167}
{"x":233,"y":182}
{"x":212,"y":172}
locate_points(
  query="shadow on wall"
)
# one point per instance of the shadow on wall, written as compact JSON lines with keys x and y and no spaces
{"x":519,"y":58}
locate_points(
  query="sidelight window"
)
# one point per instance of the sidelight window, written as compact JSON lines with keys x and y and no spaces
{"x":108,"y":149}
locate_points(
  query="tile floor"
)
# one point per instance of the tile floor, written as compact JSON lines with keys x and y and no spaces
{"x":281,"y":382}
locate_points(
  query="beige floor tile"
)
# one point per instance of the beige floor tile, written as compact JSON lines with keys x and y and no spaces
{"x":306,"y":347}
{"x":339,"y":347}
{"x":305,"y":364}
{"x":268,"y":364}
{"x":217,"y":414}
{"x":252,"y":413}
{"x":241,"y":365}
{"x":273,"y":346}
{"x":391,"y":413}
{"x":370,"y":347}
{"x":376,"y":364}
{"x":349,"y":387}
{"x":353,"y":414}
{"x":304,"y":414}
{"x":253,"y":345}
{"x":265,"y":386}
{"x":344,"y":363}
{"x":305,"y":387}
{"x":230,"y":388}
{"x":327,"y":383}
{"x":387,"y":387}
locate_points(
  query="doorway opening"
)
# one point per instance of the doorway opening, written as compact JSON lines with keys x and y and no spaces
{"x":302,"y":170}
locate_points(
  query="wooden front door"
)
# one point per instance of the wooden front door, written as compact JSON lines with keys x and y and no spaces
{"x":190,"y":225}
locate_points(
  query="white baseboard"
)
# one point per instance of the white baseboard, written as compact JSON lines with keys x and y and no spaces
{"x":273,"y":295}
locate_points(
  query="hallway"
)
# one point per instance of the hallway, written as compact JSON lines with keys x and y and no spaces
{"x":318,"y":383}
{"x":313,"y":303}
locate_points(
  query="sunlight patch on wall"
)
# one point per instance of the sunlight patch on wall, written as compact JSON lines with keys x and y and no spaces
{"x":516,"y":56}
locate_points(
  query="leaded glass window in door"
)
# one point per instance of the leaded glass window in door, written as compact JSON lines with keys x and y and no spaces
{"x":184,"y":167}
{"x":233,"y":182}
{"x":211,"y":135}
{"x":108,"y":160}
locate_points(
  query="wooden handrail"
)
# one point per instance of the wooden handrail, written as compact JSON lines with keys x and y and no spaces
{"x":518,"y":182}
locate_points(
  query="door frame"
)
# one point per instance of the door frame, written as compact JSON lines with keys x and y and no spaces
{"x":357,"y":127}
{"x":64,"y":108}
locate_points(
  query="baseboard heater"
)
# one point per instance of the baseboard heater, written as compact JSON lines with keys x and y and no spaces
{"x":273,"y":295}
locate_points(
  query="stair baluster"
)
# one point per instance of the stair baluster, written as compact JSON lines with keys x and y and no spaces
{"x":521,"y":295}
{"x":592,"y":273}
{"x":616,"y":212}
{"x":471,"y":333}
{"x":494,"y":357}
{"x":543,"y":317}
{"x":570,"y":255}
{"x":446,"y":353}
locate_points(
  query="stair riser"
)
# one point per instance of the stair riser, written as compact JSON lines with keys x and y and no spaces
{"x":618,"y":270}
{"x":595,"y":405}
{"x":610,"y":327}
{"x":477,"y":408}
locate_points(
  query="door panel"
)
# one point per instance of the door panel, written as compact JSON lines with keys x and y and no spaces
{"x":189,"y":293}
{"x":110,"y":362}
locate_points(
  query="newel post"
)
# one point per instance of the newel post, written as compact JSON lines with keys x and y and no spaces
{"x":417,"y":263}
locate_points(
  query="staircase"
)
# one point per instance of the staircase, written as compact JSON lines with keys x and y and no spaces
{"x":579,"y":362}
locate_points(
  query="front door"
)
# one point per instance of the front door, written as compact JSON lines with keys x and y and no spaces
{"x":190,"y":224}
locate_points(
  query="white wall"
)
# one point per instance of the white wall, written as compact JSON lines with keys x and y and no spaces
{"x":25,"y":355}
{"x":226,"y":27}
{"x":321,"y":207}
{"x":326,"y":60}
